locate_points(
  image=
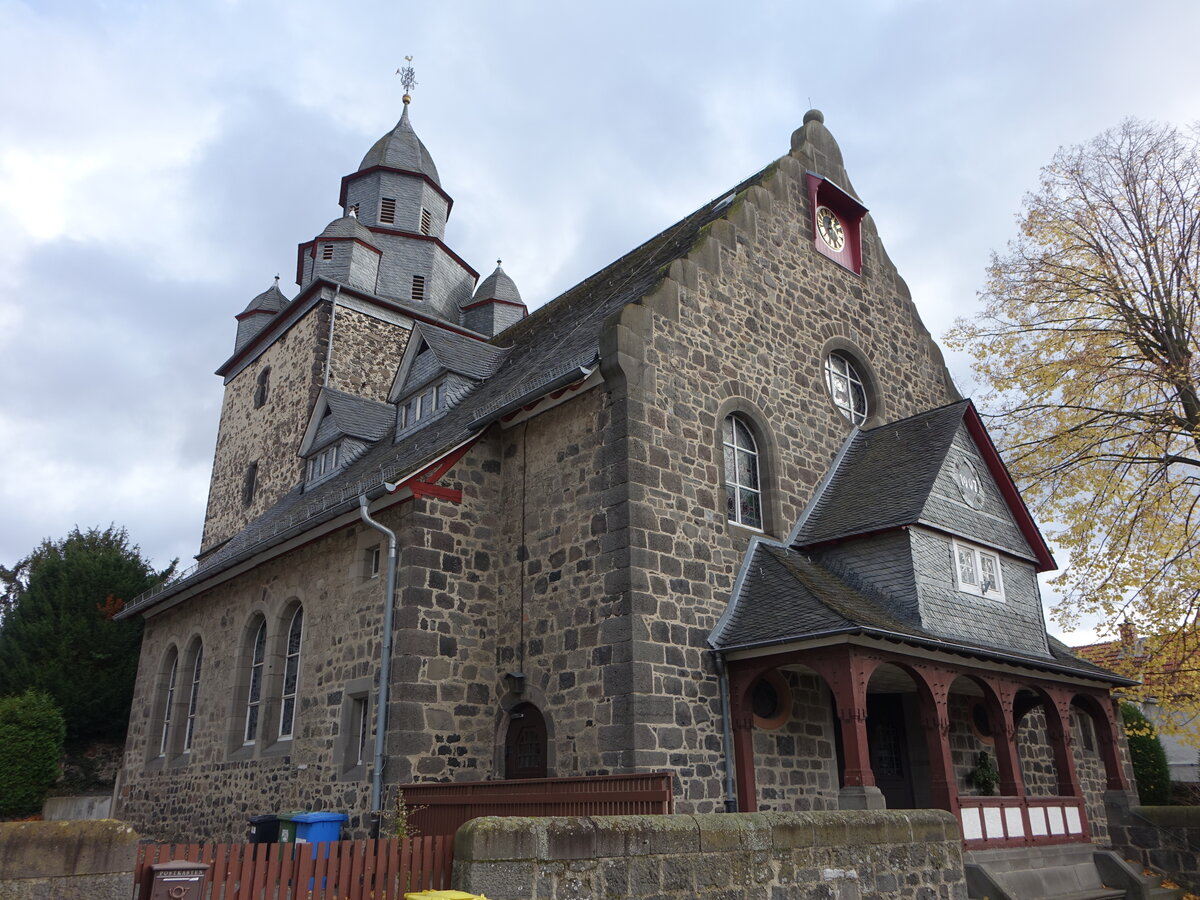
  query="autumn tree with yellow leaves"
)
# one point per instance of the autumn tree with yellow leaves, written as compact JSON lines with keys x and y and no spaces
{"x":1087,"y":350}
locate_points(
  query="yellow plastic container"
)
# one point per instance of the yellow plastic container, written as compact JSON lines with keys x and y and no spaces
{"x":442,"y":895}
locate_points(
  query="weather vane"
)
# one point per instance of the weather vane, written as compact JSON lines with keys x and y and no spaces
{"x":408,"y":78}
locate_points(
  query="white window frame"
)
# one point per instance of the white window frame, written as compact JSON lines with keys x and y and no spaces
{"x":847,"y":387}
{"x":736,"y":449}
{"x":323,"y":463}
{"x":189,"y":731}
{"x":168,"y":707}
{"x":256,"y":686}
{"x":421,"y":406}
{"x":288,"y":699}
{"x":982,"y":563}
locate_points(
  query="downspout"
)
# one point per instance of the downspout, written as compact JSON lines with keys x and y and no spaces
{"x":385,"y":668}
{"x":731,"y":803}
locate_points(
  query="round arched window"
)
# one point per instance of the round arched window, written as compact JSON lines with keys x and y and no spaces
{"x":846,"y":387}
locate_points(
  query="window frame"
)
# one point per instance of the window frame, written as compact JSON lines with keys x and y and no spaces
{"x":262,"y":387}
{"x":323,"y":463}
{"x":734,"y":489}
{"x":189,"y":730}
{"x":250,"y":483}
{"x":168,"y":705}
{"x":977,"y":556}
{"x":852,"y":377}
{"x":254,"y":702}
{"x":291,"y":669}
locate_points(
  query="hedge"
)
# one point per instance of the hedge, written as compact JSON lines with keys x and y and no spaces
{"x":1148,"y":757}
{"x":31,"y":737}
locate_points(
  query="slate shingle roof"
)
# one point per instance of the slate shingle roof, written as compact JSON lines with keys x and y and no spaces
{"x":359,"y":417}
{"x":400,"y":148}
{"x":497,"y":286}
{"x":462,"y":354}
{"x":787,"y":597}
{"x":548,"y":348}
{"x":885,"y":476}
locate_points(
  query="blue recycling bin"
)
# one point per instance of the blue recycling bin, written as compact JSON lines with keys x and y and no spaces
{"x":318,"y":828}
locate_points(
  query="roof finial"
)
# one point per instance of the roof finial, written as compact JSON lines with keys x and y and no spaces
{"x":408,"y":78}
{"x":498,"y":263}
{"x":277,"y":281}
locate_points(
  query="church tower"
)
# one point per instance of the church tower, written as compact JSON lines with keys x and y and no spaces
{"x":373,"y":272}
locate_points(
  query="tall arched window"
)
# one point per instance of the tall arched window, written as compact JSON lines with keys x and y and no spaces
{"x":291,"y":674}
{"x":258,"y":659}
{"x":743,"y":493}
{"x":847,"y":388}
{"x":193,"y":698}
{"x":168,"y":701}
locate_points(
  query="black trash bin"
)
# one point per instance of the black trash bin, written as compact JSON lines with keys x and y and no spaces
{"x":264,"y":829}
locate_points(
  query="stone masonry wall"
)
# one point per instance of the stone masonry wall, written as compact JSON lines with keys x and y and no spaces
{"x":1039,"y":773}
{"x":807,"y":856}
{"x":270,"y":434}
{"x":91,"y":860}
{"x":743,"y":324}
{"x":795,"y":763}
{"x":366,"y":352}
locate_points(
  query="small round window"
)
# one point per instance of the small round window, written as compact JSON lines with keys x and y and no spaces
{"x":846,"y":387}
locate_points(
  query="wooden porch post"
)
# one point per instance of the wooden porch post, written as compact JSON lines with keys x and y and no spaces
{"x":1058,"y":724}
{"x":1008,"y":761}
{"x":935,"y":719}
{"x":741,"y":714}
{"x":847,"y":673}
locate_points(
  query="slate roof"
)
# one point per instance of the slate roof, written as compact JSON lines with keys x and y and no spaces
{"x":462,"y":354}
{"x":348,"y":227}
{"x":400,"y":148}
{"x":271,"y":300}
{"x":548,"y":349}
{"x":497,"y":286}
{"x":885,"y":477}
{"x":787,"y":597}
{"x":359,"y":417}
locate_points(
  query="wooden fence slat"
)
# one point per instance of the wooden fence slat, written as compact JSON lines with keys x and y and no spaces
{"x":321,"y":869}
{"x":232,"y":867}
{"x":304,"y":871}
{"x":358,"y":881}
{"x":287,"y":870}
{"x":405,"y":881}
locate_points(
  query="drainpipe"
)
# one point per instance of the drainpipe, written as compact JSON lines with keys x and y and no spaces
{"x":731,"y":804}
{"x":385,"y":667}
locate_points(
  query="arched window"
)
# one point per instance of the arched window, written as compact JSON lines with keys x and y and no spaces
{"x":263,"y":387}
{"x":743,"y":493}
{"x":168,"y":701}
{"x":193,"y":698}
{"x":258,"y":659}
{"x":847,"y":388}
{"x":291,"y":674}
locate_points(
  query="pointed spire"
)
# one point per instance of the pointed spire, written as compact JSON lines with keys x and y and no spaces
{"x":401,"y":148}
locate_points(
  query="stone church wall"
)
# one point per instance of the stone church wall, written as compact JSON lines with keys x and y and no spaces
{"x":796,"y":767}
{"x":742,"y":325}
{"x":249,"y":434}
{"x":366,"y":353}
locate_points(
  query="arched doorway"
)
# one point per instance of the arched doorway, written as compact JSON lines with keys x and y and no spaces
{"x":525,"y":743}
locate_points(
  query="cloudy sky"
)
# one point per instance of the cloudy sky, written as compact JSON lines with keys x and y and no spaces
{"x":159,"y":162}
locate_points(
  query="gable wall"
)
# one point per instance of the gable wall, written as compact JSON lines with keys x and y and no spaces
{"x":992,"y":523}
{"x":743,"y":324}
{"x":270,"y":434}
{"x":883,"y":564}
{"x":1014,"y":623}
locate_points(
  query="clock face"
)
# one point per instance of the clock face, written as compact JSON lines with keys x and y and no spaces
{"x":829,"y":227}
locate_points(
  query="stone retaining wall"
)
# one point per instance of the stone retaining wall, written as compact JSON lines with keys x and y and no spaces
{"x":67,"y":860}
{"x":829,"y":855}
{"x":1165,"y":837}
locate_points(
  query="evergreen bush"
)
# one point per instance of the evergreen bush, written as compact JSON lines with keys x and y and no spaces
{"x":1148,"y":757}
{"x":31,"y":737}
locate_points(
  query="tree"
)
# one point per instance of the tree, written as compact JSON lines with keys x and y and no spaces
{"x":31,"y":737}
{"x":58,"y":635}
{"x":1087,"y":347}
{"x":1149,"y":759}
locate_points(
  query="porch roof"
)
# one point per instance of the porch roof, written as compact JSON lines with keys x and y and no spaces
{"x":787,"y":597}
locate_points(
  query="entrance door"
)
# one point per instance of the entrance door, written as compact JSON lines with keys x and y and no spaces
{"x":888,"y":740}
{"x":525,"y":743}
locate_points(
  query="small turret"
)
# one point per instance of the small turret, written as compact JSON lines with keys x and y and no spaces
{"x":496,"y":305}
{"x":258,"y":314}
{"x":345,"y":252}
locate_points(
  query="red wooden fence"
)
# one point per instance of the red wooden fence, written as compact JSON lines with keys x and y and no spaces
{"x":441,"y":807}
{"x":346,"y":870}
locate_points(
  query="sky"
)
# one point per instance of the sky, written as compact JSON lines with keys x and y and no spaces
{"x":159,"y":163}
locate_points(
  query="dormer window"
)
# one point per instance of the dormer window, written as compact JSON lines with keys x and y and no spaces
{"x":977,"y":571}
{"x":421,"y":406}
{"x":387,"y":210}
{"x":323,"y":463}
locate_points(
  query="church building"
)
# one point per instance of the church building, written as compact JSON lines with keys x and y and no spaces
{"x":717,"y":511}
